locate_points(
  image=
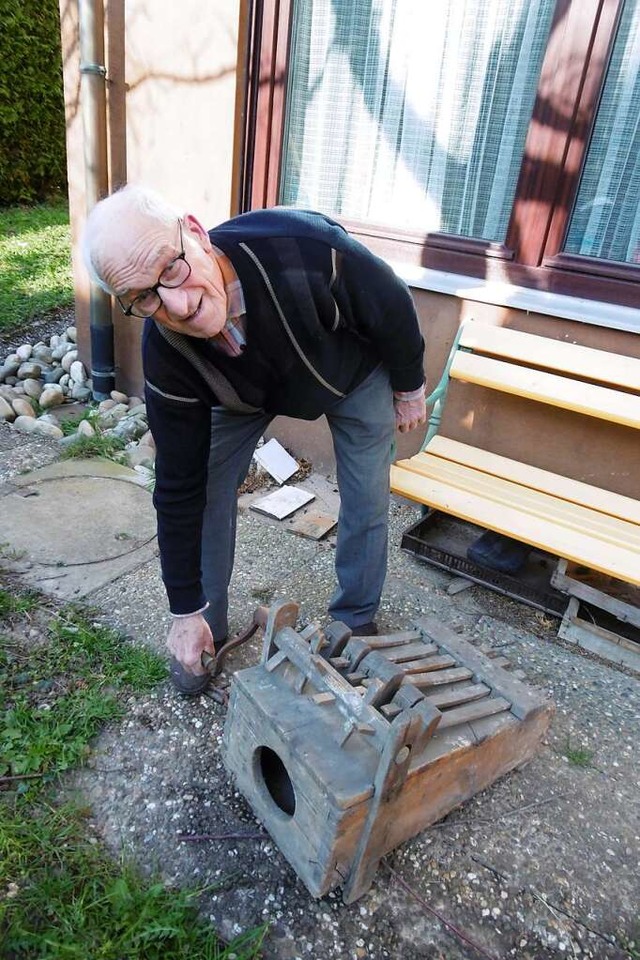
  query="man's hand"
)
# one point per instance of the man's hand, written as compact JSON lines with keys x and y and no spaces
{"x":187,"y":638}
{"x":410,"y":409}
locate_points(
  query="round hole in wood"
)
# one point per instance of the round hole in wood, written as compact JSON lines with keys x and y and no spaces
{"x":277,"y":780}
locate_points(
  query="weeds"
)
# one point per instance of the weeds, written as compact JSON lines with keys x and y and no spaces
{"x":98,"y":446}
{"x":578,"y":756}
{"x":61,"y":894}
{"x":11,"y":604}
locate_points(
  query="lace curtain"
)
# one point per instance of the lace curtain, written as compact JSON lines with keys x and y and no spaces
{"x":412,"y":113}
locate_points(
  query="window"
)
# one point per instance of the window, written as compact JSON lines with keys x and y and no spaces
{"x":412,"y":114}
{"x":492,"y":138}
{"x":605,"y":221}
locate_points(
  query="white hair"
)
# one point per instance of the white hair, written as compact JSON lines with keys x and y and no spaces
{"x":132,"y":201}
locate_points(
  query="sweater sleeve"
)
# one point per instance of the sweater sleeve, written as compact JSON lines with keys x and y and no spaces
{"x":181,"y":426}
{"x":378,"y":306}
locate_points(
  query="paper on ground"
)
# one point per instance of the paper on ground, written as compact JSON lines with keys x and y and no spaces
{"x":283,"y":502}
{"x":273,"y":457}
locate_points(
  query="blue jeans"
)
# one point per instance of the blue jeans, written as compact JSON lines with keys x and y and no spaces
{"x":363,"y":428}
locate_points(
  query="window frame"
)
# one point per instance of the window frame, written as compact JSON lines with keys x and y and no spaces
{"x":574,"y":66}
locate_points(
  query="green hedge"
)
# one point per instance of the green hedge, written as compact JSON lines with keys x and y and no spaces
{"x":32,"y":122}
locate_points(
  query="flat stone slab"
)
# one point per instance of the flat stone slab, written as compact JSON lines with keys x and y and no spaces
{"x":73,"y":526}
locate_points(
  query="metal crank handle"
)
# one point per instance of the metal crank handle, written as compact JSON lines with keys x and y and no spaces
{"x":213,"y":665}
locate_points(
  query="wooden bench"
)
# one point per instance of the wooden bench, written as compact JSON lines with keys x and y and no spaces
{"x":570,"y":519}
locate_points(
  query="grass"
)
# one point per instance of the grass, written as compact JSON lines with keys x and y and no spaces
{"x":98,"y":446}
{"x":578,"y":756}
{"x":61,"y":894}
{"x":35,"y":262}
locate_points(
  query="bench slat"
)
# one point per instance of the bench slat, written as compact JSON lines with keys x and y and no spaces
{"x":548,"y":388}
{"x":609,"y":531}
{"x":537,"y":530}
{"x":572,"y":516}
{"x":575,"y":491}
{"x":573,"y":359}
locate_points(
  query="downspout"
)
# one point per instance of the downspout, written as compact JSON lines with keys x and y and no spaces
{"x":94,"y":119}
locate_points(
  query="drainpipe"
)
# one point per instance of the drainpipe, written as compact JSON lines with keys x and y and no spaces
{"x":94,"y":118}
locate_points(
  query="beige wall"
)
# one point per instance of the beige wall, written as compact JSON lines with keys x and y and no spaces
{"x":170,"y":99}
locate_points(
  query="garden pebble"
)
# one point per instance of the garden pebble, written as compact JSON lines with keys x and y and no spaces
{"x":6,"y":410}
{"x":25,"y":424}
{"x":32,"y":388}
{"x":70,"y":357}
{"x":77,"y":372}
{"x":22,"y":407}
{"x":37,"y":382}
{"x":51,"y":396}
{"x":29,"y":370}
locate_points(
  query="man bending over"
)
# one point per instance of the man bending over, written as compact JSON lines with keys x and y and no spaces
{"x":274,"y":312}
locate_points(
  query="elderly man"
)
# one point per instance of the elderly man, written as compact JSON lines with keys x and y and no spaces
{"x":274,"y":312}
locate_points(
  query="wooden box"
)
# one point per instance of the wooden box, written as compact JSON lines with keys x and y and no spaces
{"x":345,"y":747}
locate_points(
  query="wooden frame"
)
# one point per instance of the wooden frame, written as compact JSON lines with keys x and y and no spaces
{"x":564,"y":112}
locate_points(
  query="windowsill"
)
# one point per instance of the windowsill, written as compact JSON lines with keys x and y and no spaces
{"x":610,"y":315}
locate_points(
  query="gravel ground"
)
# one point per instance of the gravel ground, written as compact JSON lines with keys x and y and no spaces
{"x":543,"y":864}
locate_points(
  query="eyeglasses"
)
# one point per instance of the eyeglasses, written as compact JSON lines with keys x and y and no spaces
{"x":173,"y":275}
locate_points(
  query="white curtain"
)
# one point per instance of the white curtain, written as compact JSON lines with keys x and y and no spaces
{"x":606,"y":217}
{"x":412,"y":113}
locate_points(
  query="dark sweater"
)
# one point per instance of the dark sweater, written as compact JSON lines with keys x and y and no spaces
{"x":322,"y":312}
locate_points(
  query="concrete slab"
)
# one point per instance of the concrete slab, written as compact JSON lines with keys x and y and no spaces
{"x":73,"y":526}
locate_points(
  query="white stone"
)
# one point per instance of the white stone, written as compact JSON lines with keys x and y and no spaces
{"x":32,"y":388}
{"x":116,"y":413}
{"x":77,"y":372}
{"x":55,"y":341}
{"x":6,"y":410}
{"x":51,"y":396}
{"x":106,"y":405}
{"x":42,"y":353}
{"x":147,"y":440}
{"x":118,"y":396}
{"x":71,"y":333}
{"x":29,"y":370}
{"x":80,"y":391}
{"x":85,"y":429}
{"x":70,"y":357}
{"x":57,"y":353}
{"x":140,"y":456}
{"x":25,"y":424}
{"x":22,"y":407}
{"x":24,"y":351}
{"x":46,"y":429}
{"x":9,"y":368}
{"x":64,"y":381}
{"x":140,"y":410}
{"x":7,"y":392}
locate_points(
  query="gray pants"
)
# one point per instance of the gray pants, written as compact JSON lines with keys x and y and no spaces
{"x":362,"y":427}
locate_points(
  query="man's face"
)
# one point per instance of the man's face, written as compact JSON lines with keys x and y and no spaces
{"x":144,"y":248}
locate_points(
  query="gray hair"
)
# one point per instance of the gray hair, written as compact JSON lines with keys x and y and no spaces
{"x":105,"y":218}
